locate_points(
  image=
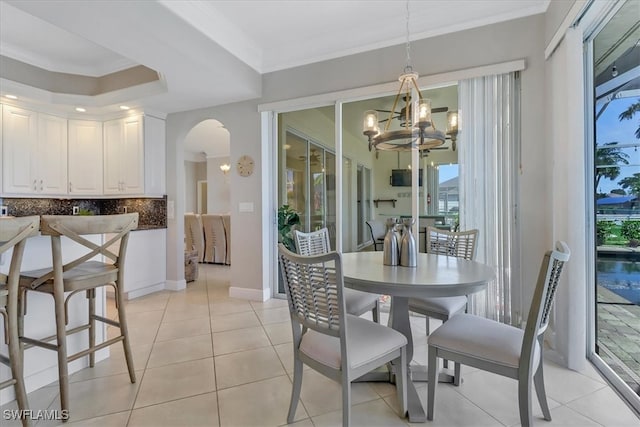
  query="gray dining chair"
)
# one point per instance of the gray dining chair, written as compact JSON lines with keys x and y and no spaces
{"x":461,"y":244}
{"x":499,"y":348}
{"x":340,"y":346}
{"x":78,"y":271}
{"x":13,"y":235}
{"x":357,"y":302}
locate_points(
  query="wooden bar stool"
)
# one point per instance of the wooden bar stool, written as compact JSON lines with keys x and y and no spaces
{"x":78,"y":275}
{"x":13,"y":234}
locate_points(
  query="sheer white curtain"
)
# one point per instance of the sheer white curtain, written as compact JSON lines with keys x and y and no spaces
{"x":489,"y":162}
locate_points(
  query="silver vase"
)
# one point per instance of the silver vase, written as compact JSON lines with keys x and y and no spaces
{"x":408,"y":250}
{"x":390,"y":245}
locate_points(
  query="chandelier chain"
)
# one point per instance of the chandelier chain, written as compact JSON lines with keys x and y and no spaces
{"x":408,"y":68}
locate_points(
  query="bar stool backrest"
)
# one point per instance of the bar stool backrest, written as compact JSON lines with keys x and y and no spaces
{"x":116,"y":227}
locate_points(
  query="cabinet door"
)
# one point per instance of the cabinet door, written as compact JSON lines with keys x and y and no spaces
{"x":51,"y":155}
{"x":154,"y":157}
{"x":132,"y":156}
{"x":85,"y":157}
{"x":19,"y":136}
{"x":112,"y":132}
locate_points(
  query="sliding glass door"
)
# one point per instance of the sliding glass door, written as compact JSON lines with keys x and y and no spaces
{"x":616,"y":202}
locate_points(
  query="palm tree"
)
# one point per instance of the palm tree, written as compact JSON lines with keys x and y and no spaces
{"x":629,"y":113}
{"x":609,"y":156}
{"x":632,"y":183}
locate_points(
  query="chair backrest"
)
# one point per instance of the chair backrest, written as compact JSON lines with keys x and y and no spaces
{"x":74,"y":227}
{"x":226,"y":221}
{"x":194,"y":234}
{"x":461,"y":244}
{"x":314,"y":243}
{"x":377,"y":229}
{"x":313,"y":285}
{"x":215,"y":241}
{"x":13,"y":234}
{"x":543,"y":297}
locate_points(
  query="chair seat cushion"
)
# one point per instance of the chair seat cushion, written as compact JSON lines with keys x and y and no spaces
{"x":367,"y":341}
{"x":481,"y":338}
{"x":358,"y":302}
{"x":443,"y":305}
{"x":85,"y":276}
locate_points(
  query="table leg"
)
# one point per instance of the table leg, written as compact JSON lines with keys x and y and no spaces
{"x":399,"y":320}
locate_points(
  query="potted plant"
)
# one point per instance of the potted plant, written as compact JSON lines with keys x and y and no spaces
{"x":288,"y":220}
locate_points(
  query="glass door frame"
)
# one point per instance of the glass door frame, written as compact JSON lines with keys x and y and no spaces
{"x":591,"y":28}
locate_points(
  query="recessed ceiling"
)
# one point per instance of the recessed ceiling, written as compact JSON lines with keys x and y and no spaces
{"x":214,"y":52}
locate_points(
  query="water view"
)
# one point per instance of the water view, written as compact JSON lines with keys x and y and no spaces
{"x":621,"y":277}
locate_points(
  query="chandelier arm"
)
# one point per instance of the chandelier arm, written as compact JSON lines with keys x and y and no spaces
{"x":393,"y":110}
{"x":415,"y":84}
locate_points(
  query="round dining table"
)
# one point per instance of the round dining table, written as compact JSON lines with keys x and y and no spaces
{"x":434,"y":276}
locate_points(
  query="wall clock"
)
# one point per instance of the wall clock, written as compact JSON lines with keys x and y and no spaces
{"x":245,"y":165}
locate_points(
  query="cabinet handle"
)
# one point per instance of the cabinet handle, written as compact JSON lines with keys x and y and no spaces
{"x":40,"y":185}
{"x":70,"y":187}
{"x":35,"y":185}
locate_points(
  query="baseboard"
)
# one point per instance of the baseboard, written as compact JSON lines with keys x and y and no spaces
{"x":250,"y":294}
{"x":144,"y":291}
{"x":175,"y":285}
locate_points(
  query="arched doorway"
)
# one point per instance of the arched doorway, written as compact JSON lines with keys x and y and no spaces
{"x":206,"y":162}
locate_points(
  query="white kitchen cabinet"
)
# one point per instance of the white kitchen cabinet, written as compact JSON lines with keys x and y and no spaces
{"x":85,"y":157}
{"x":155,"y":183}
{"x":34,"y":147}
{"x":124,"y":156}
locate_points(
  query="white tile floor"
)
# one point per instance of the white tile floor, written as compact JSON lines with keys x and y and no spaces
{"x":205,"y":359}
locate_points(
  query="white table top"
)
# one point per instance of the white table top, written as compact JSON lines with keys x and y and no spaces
{"x":435,"y":275}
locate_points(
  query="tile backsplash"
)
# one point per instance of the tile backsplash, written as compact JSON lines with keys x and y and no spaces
{"x":152,"y":211}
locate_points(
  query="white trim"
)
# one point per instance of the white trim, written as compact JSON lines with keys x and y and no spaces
{"x":175,"y":285}
{"x":250,"y":294}
{"x":269,"y":200}
{"x":145,"y":291}
{"x":574,"y":13}
{"x":338,"y":167}
{"x":441,"y":79}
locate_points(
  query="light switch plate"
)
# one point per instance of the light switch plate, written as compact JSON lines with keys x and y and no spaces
{"x":245,"y":207}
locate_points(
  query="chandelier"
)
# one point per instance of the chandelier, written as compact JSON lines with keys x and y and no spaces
{"x":417,"y":128}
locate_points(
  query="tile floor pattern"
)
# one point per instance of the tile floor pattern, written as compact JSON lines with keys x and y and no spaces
{"x":204,"y":359}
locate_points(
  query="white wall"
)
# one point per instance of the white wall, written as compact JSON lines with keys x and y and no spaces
{"x":218,"y":198}
{"x":193,"y":172}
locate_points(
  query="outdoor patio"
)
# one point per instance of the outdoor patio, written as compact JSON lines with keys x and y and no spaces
{"x":619,"y":336}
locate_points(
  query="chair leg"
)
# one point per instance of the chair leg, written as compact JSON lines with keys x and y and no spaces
{"x":16,"y":361}
{"x":432,"y":367}
{"x":401,"y":381}
{"x":122,"y":320}
{"x":346,"y":402}
{"x":375,"y":312}
{"x":295,"y":389}
{"x":457,"y":373}
{"x":91,"y":296}
{"x":538,"y":381}
{"x":524,"y":402}
{"x":61,"y":336}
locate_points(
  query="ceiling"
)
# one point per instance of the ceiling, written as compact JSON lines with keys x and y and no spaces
{"x":209,"y":53}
